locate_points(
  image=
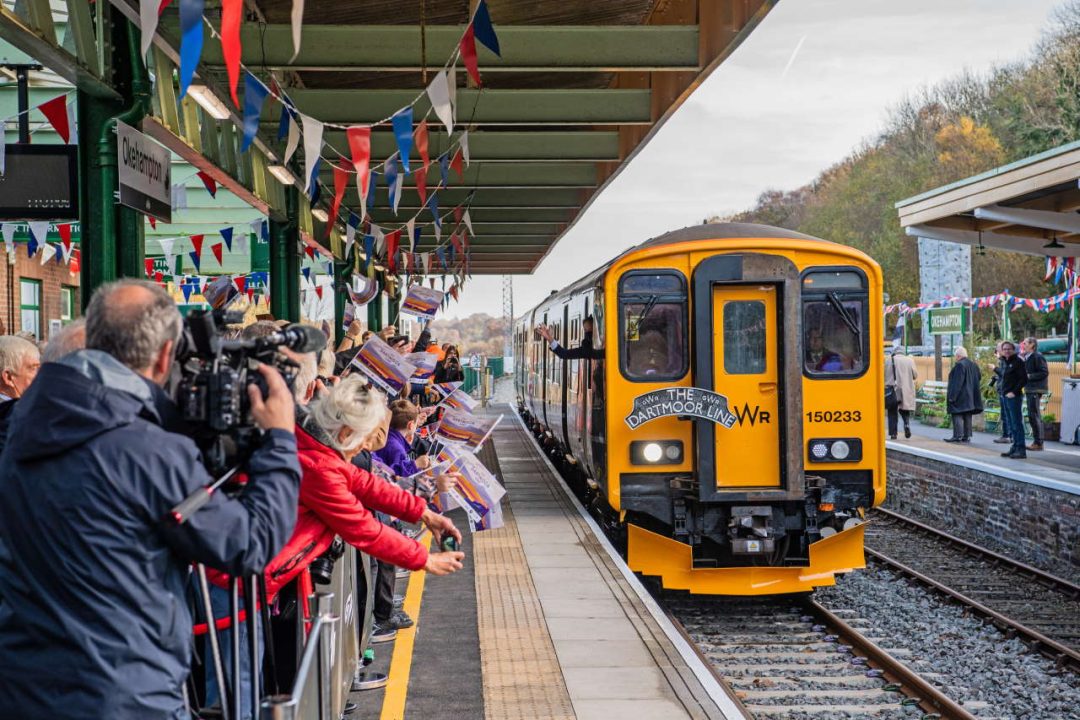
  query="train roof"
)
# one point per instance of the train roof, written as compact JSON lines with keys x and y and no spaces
{"x":707,"y":231}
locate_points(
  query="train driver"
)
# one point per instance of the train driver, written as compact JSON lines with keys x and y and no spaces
{"x":584,"y":351}
{"x":821,"y":359}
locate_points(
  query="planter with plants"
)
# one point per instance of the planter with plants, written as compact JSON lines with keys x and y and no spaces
{"x":1051,"y":427}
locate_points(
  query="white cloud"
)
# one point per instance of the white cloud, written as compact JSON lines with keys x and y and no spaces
{"x":753,"y":127}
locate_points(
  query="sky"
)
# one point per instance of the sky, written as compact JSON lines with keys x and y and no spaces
{"x":810,"y":84}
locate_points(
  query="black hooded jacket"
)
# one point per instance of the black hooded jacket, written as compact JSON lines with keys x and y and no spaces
{"x":93,"y":621}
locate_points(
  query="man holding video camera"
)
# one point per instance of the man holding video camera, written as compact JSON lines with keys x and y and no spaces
{"x":93,"y":620}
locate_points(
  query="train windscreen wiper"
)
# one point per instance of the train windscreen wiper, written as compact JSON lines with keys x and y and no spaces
{"x":844,"y":314}
{"x":644,"y":313}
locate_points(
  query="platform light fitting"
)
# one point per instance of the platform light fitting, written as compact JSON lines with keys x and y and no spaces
{"x":209,"y":102}
{"x":283,"y":174}
{"x":319,"y":214}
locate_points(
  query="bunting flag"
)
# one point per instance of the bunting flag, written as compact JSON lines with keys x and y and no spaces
{"x":425,"y":258}
{"x":359,"y":138}
{"x":195,"y":259}
{"x":153,"y":222}
{"x":209,"y":183}
{"x":369,"y":246}
{"x":227,"y":236}
{"x":186,"y":288}
{"x":438,"y":92}
{"x":8,"y":230}
{"x":196,"y":242}
{"x":421,"y":184}
{"x":420,"y":139}
{"x":394,"y":182}
{"x":149,"y":11}
{"x":433,"y":205}
{"x":297,"y":18}
{"x":468,"y":54}
{"x":456,"y":164}
{"x":410,"y":233}
{"x":313,"y":136}
{"x":372,"y":182}
{"x":179,"y":196}
{"x":417,"y":231}
{"x":167,"y":251}
{"x":232,"y":15}
{"x":55,"y":111}
{"x":39,"y":231}
{"x":292,"y":131}
{"x":319,"y":291}
{"x":402,"y":122}
{"x":306,"y":272}
{"x":254,"y":96}
{"x":350,"y":233}
{"x":191,"y":40}
{"x":73,"y":127}
{"x":47,"y":252}
{"x":483,"y":30}
{"x":148,"y":267}
{"x":444,"y":169}
{"x":65,"y":238}
{"x":442,"y":260}
{"x":392,"y":240}
{"x":468,"y":223}
{"x":463,"y":144}
{"x":455,"y":243}
{"x":216,"y":249}
{"x":242,"y":244}
{"x":341,"y":181}
{"x":310,"y":252}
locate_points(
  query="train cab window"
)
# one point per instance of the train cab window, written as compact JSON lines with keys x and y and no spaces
{"x":835,"y":329}
{"x":653,"y":326}
{"x":744,"y":337}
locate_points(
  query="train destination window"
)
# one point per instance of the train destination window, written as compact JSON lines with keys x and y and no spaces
{"x":834,"y":324}
{"x":652,"y":323}
{"x":744,"y":337}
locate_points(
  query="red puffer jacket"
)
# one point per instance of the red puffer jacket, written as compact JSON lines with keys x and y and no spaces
{"x":335,"y":497}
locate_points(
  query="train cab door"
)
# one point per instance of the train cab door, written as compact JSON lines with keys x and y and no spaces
{"x":747,"y":371}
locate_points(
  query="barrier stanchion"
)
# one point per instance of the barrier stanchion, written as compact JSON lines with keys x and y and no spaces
{"x":251,"y":592}
{"x":212,"y":637}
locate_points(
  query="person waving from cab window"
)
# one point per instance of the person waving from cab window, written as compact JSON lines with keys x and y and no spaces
{"x":584,"y":351}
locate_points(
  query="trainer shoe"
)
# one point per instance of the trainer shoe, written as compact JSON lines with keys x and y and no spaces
{"x":1035,"y":446}
{"x":381,"y":634}
{"x":1002,"y":440}
{"x":400,"y":620}
{"x":399,"y":601}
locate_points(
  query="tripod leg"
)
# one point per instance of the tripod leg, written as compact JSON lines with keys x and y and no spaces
{"x":237,"y":695}
{"x":251,"y":592}
{"x":212,"y":635}
{"x":268,"y":634}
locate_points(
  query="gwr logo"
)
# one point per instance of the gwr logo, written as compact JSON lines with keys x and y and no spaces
{"x":757,"y":415}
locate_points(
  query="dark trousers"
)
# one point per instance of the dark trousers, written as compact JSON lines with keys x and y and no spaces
{"x":961,"y":426}
{"x":1013,"y":408}
{"x":894,"y":413}
{"x":1006,"y":430}
{"x":384,"y":592}
{"x":1034,"y":418}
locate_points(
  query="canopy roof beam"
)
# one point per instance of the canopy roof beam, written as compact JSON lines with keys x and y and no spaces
{"x":513,"y":146}
{"x":1014,"y":243}
{"x":1043,"y":219}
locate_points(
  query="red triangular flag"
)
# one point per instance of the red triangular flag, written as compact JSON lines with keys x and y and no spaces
{"x":341,"y":180}
{"x":232,"y":15}
{"x":457,"y":243}
{"x":421,"y":184}
{"x":359,"y":138}
{"x":149,"y":263}
{"x":216,"y":248}
{"x":318,"y":291}
{"x":196,"y":242}
{"x":309,"y":251}
{"x":241,"y":283}
{"x":420,"y":139}
{"x":456,"y":163}
{"x":209,"y":183}
{"x":73,"y":266}
{"x":468,"y":53}
{"x":55,"y":111}
{"x":153,"y":222}
{"x":457,"y":215}
{"x":251,"y":296}
{"x":65,"y":235}
{"x":453,"y":292}
{"x":392,"y":240}
{"x":159,"y":277}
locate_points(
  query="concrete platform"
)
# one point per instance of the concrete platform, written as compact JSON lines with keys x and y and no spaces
{"x":545,"y":622}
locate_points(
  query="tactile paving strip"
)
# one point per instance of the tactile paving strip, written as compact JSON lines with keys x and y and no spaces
{"x":522,"y":676}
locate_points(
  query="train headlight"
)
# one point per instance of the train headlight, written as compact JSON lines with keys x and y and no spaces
{"x":656,"y":452}
{"x":825,"y":450}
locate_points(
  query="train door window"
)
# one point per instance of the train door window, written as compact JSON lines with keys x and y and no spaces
{"x":835,"y":323}
{"x":744,"y":337}
{"x":653,"y":325}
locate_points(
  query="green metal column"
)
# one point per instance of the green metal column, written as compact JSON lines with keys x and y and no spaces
{"x":342,"y":278}
{"x":374,"y":312}
{"x":285,"y":262}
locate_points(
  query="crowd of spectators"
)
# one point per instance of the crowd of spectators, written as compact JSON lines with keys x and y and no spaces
{"x":97,"y":578}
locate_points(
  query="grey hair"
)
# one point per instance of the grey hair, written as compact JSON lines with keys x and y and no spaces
{"x":349,"y":404}
{"x":1033,"y":342}
{"x":13,"y":352}
{"x":71,"y":337}
{"x":133,"y":333}
{"x":308,"y":372}
{"x":960,"y":351}
{"x":258,"y":329}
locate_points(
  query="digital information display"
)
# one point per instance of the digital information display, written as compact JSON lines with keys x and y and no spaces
{"x":40,"y":182}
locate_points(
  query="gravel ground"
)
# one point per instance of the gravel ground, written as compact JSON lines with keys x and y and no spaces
{"x":973,"y":662}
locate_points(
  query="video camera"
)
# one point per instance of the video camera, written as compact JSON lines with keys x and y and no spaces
{"x":214,"y":374}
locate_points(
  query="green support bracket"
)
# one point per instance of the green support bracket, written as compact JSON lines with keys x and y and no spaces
{"x":285,"y":262}
{"x":342,"y":278}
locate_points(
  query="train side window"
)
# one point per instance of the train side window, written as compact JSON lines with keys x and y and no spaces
{"x":744,"y":337}
{"x":653,"y":325}
{"x":835,"y":323}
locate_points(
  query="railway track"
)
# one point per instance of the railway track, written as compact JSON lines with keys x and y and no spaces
{"x":1020,"y":600}
{"x":792,"y":658}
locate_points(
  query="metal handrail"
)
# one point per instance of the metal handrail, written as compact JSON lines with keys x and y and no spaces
{"x":284,"y":707}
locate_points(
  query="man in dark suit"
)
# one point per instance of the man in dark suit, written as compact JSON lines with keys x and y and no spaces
{"x":1037,"y":386}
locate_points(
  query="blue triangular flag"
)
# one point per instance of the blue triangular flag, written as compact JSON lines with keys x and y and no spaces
{"x":482,"y":29}
{"x":191,"y":40}
{"x":226,"y":235}
{"x":372,"y":183}
{"x":31,"y":246}
{"x":329,"y":268}
{"x":313,"y":182}
{"x":283,"y":123}
{"x":433,"y":203}
{"x":444,"y":168}
{"x":265,"y":230}
{"x":416,"y":235}
{"x":369,"y":246}
{"x":186,"y":288}
{"x":194,"y":259}
{"x":306,"y":272}
{"x":254,"y":96}
{"x":391,"y":170}
{"x":402,"y":122}
{"x":442,"y":257}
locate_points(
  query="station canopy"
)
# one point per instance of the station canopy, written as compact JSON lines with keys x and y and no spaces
{"x":580,"y":86}
{"x":1030,"y":206}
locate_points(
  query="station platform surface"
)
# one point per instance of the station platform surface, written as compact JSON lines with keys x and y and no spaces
{"x":544,"y":622}
{"x":1056,"y":467}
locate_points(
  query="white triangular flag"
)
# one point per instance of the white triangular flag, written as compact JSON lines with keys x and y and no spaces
{"x":398,"y":183}
{"x":297,"y":17}
{"x":437,"y":226}
{"x":439,"y":93}
{"x":468,"y":223}
{"x":313,"y":134}
{"x":40,"y":230}
{"x":67,"y":250}
{"x":464,"y":143}
{"x":8,"y":230}
{"x":167,"y":251}
{"x":3,"y":146}
{"x":179,"y":196}
{"x":148,"y":21}
{"x":73,"y":127}
{"x":380,"y":239}
{"x":451,"y":83}
{"x":410,"y":227}
{"x":294,"y":140}
{"x":47,"y":252}
{"x":426,"y":259}
{"x":240,"y":244}
{"x":350,"y":237}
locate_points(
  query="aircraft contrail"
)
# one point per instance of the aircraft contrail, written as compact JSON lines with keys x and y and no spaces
{"x":794,"y":53}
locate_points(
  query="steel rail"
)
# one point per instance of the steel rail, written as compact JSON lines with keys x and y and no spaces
{"x":931,"y":701}
{"x":707,"y":663}
{"x":1052,"y":581}
{"x":1062,"y":655}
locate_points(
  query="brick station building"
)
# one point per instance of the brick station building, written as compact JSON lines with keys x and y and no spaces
{"x":35,"y":297}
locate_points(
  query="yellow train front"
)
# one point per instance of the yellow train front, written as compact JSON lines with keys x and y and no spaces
{"x":729,"y":424}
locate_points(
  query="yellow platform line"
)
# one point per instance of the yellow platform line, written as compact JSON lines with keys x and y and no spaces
{"x":397,"y":686}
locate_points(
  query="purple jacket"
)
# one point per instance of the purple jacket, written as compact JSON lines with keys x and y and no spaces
{"x":396,"y":454}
